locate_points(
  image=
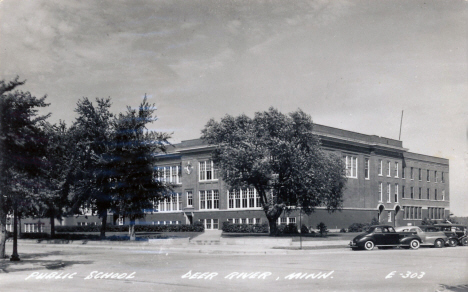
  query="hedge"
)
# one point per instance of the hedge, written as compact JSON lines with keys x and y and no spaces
{"x":196,"y":227}
{"x":244,"y":228}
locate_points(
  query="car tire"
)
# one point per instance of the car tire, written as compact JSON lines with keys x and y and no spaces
{"x":369,"y":245}
{"x":464,"y":241}
{"x":414,"y":244}
{"x":452,"y":242}
{"x":439,"y":243}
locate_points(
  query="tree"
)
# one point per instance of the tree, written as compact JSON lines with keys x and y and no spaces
{"x":91,"y":134}
{"x":22,"y":148}
{"x":52,"y":196}
{"x":132,"y":159}
{"x":281,"y":157}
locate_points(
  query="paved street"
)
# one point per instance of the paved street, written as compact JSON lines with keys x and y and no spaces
{"x":65,"y":267}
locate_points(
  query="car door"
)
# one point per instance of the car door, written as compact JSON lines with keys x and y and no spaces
{"x":379,"y":236}
{"x":391,"y":237}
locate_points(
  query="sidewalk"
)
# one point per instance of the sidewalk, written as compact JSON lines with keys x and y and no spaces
{"x":183,"y":245}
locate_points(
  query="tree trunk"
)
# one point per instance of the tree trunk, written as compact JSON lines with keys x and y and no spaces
{"x":15,"y":257}
{"x":3,"y":232}
{"x":52,"y":222}
{"x":103,"y":224}
{"x":273,"y":212}
{"x":272,"y":225}
{"x":131,"y":229}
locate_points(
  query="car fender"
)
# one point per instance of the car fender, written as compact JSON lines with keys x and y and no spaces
{"x":407,"y":239}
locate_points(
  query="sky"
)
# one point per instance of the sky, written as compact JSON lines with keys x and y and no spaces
{"x":354,"y":65}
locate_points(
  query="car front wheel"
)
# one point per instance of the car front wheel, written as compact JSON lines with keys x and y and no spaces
{"x":452,"y":242}
{"x":439,"y":243}
{"x":414,"y":244}
{"x":369,"y":245}
{"x":464,"y":241}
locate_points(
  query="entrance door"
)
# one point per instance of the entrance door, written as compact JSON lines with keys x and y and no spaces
{"x":211,"y":224}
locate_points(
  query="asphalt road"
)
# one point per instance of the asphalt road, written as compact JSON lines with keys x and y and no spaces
{"x":64,"y":268}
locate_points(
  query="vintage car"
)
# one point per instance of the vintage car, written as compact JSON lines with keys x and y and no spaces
{"x":385,"y":236}
{"x":431,"y":238}
{"x":456,"y":233}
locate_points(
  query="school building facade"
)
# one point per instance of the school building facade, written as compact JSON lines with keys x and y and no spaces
{"x":385,"y":181}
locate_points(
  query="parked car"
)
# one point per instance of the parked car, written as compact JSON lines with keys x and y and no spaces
{"x":385,"y":236}
{"x":456,"y":232}
{"x":428,"y":237}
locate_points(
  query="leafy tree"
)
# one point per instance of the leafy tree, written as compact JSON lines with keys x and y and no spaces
{"x":22,"y":148}
{"x":133,"y":157}
{"x":280,"y":156}
{"x":91,"y":134}
{"x":52,"y":196}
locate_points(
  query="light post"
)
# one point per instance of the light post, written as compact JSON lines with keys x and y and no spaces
{"x":300,"y":227}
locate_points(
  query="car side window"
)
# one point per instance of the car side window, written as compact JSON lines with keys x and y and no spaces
{"x":378,"y":230}
{"x":390,"y":229}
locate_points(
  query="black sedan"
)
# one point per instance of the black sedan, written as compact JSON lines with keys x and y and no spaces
{"x":385,"y":236}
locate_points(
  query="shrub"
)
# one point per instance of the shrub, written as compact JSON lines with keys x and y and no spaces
{"x":244,"y":228}
{"x":322,"y":228}
{"x":38,"y":235}
{"x":342,"y":230}
{"x":304,"y":229}
{"x":196,"y":227}
{"x":374,"y":221}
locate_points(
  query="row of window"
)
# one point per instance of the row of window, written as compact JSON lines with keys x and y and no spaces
{"x":419,"y":196}
{"x":435,"y":213}
{"x":412,"y":212}
{"x":286,"y":220}
{"x":244,"y":198}
{"x":166,"y":222}
{"x":351,"y":164}
{"x":86,"y":223}
{"x":33,"y":227}
{"x":249,"y":221}
{"x":170,"y":174}
{"x":172,"y":203}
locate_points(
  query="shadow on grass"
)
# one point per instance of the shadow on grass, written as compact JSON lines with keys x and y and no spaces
{"x":35,"y":261}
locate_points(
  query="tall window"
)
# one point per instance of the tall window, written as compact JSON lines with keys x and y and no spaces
{"x":428,"y":176}
{"x":396,"y":193}
{"x":435,"y":175}
{"x":208,"y":171}
{"x":389,"y":168}
{"x":428,"y":193}
{"x":170,"y":174}
{"x":443,"y":195}
{"x":366,"y":168}
{"x":209,"y":200}
{"x":420,"y":174}
{"x":189,"y":198}
{"x":403,"y":192}
{"x":420,"y":193}
{"x":442,"y":179}
{"x":435,"y":194}
{"x":411,"y":173}
{"x":389,"y":199}
{"x":412,"y":192}
{"x":242,"y":199}
{"x":351,"y":166}
{"x":380,"y":166}
{"x":202,"y":200}
{"x":169,"y":204}
{"x":396,"y":169}
{"x":380,"y":192}
{"x":403,"y":172}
